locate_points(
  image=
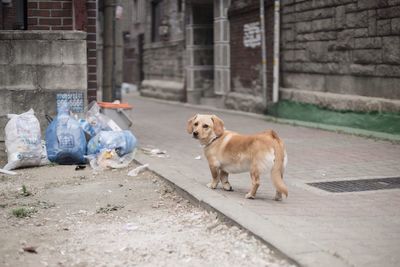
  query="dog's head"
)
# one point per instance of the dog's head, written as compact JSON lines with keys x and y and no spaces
{"x":205,"y":127}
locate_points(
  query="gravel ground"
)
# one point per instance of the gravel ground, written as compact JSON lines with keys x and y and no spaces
{"x":78,"y":218}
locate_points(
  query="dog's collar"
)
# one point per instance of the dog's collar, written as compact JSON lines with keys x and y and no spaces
{"x":211,"y":141}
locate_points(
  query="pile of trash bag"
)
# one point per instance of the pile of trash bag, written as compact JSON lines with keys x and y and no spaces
{"x":23,"y":141}
{"x":94,"y":138}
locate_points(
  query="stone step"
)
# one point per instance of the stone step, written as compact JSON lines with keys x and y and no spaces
{"x":214,"y":101}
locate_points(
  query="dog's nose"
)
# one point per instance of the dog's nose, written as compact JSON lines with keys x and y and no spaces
{"x":195,"y":134}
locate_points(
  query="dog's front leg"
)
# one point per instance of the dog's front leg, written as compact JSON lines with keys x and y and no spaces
{"x":223,"y":175}
{"x":215,"y":177}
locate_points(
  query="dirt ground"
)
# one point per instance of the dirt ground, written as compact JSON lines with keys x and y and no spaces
{"x":78,"y":218}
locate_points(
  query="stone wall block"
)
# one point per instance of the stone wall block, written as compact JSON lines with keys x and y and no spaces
{"x":5,"y":52}
{"x":369,"y":4}
{"x":391,"y":50}
{"x":357,"y":19}
{"x":372,"y":22}
{"x":388,"y":70}
{"x":390,"y":12}
{"x":303,"y":27}
{"x":323,"y":25}
{"x":371,"y":42}
{"x":72,"y":52}
{"x":67,"y":77}
{"x":46,"y":52}
{"x":383,"y":27}
{"x":395,"y":25}
{"x":340,"y":17}
{"x":367,"y":56}
{"x":17,"y":77}
{"x":358,"y":69}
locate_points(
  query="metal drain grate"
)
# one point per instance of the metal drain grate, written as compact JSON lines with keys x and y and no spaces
{"x":358,"y":185}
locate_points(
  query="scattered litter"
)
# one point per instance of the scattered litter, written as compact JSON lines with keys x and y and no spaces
{"x":109,"y":159}
{"x":138,"y":170}
{"x":23,"y":141}
{"x":30,"y":249}
{"x":130,"y":227}
{"x":8,"y":172}
{"x":80,"y":167}
{"x":156,"y":152}
{"x":198,"y":157}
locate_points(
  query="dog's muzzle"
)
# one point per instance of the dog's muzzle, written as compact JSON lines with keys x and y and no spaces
{"x":195,"y":135}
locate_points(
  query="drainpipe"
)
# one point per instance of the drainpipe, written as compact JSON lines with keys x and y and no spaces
{"x":277,"y":24}
{"x":263,"y":54}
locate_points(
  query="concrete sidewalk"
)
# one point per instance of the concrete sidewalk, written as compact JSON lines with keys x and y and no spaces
{"x":312,"y":227}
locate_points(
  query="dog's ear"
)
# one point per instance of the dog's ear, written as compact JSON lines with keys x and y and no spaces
{"x":218,"y":125}
{"x":189,"y":127}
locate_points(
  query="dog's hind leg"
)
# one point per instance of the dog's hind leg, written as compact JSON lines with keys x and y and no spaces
{"x":215,"y":177}
{"x":255,"y":183}
{"x":223,"y":175}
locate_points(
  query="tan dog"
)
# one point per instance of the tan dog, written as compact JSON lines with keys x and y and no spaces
{"x":229,"y":152}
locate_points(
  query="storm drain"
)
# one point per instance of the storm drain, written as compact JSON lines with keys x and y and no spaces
{"x":358,"y":185}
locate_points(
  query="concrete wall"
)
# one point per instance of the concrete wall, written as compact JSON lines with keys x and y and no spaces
{"x":35,"y":66}
{"x":60,"y":15}
{"x":163,"y":60}
{"x":349,"y":47}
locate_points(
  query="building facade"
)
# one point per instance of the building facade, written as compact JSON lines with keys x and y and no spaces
{"x":343,"y":55}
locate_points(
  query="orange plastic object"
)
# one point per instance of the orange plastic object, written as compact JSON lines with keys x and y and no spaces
{"x":114,"y":105}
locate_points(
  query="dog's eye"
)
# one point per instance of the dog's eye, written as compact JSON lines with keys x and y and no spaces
{"x":205,"y":126}
{"x":196,"y":124}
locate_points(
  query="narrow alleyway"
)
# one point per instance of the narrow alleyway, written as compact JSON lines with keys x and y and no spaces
{"x":313,"y":226}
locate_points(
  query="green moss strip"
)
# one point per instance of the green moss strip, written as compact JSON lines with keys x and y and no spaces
{"x":373,"y":121}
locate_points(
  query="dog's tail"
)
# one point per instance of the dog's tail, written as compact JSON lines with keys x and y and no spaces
{"x":278,"y":168}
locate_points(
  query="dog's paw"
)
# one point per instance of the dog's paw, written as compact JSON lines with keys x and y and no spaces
{"x":227,"y":187}
{"x":278,"y":196}
{"x":212,"y":185}
{"x":249,"y":196}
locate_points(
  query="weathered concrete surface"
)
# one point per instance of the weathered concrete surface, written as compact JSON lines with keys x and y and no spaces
{"x":312,"y":227}
{"x":35,"y":66}
{"x":244,"y":102}
{"x":111,"y":219}
{"x":163,"y":89}
{"x":341,"y":102}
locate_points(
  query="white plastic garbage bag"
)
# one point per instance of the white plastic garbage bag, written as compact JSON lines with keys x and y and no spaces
{"x":23,"y":141}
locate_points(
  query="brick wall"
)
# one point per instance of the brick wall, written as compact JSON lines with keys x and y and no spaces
{"x":91,"y":49}
{"x":343,"y":47}
{"x":50,"y":15}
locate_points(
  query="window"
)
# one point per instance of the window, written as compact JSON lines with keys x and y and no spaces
{"x":155,"y":20}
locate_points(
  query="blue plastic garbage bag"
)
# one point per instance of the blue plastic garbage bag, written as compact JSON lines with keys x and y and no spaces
{"x":65,"y":139}
{"x":122,"y":141}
